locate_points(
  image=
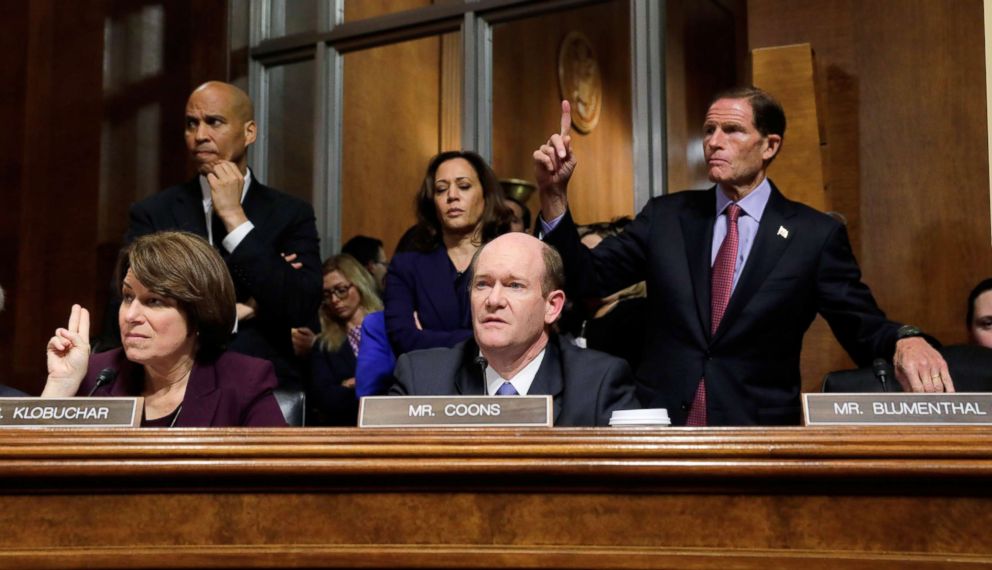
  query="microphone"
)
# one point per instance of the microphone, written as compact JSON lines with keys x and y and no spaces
{"x":483,"y":363}
{"x":106,"y":376}
{"x":175,"y":418}
{"x":880,"y":368}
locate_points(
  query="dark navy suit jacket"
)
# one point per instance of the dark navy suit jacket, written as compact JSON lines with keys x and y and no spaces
{"x":425,"y":283}
{"x":801,"y":264}
{"x":586,"y":385}
{"x":286,"y":297}
{"x":234,"y":390}
{"x":335,"y":405}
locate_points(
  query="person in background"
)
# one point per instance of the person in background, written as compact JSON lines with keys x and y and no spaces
{"x":349,"y":295}
{"x":979,"y":319}
{"x":369,"y":252}
{"x":615,"y":324}
{"x":516,"y":298}
{"x":176,"y":316}
{"x":267,"y":238}
{"x":7,"y":391}
{"x":459,"y":207}
{"x":376,"y":361}
{"x":521,"y":216}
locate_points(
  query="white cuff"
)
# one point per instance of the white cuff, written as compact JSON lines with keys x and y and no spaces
{"x":232,"y":240}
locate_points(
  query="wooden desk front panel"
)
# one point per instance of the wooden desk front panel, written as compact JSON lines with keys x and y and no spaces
{"x":564,"y":498}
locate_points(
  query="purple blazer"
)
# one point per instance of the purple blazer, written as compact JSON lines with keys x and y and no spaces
{"x":233,"y":391}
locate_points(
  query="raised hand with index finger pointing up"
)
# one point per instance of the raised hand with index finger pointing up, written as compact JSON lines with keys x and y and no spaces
{"x":553,"y":167}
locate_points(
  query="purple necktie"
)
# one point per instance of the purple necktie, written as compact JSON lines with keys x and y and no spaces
{"x":507,"y":389}
{"x":720,"y":288}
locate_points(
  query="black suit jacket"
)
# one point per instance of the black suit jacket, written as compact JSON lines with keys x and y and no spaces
{"x":286,"y":297}
{"x":800,"y":264}
{"x":586,"y":385}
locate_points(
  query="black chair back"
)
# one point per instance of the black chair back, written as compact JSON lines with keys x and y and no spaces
{"x":293,"y":403}
{"x":970,"y":367}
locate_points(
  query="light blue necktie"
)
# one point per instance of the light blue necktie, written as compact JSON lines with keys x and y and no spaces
{"x":507,"y":389}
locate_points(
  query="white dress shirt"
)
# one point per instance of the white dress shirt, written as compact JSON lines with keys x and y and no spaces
{"x":521,"y":381}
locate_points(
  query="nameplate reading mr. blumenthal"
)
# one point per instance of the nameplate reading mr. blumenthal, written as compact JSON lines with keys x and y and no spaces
{"x":897,"y":409}
{"x":455,"y":411}
{"x":70,"y":412}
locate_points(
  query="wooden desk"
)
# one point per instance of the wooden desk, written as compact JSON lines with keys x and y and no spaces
{"x":564,"y":498}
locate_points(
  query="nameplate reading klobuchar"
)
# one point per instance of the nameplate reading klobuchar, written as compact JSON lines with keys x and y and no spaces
{"x":897,"y":409}
{"x":455,"y":411}
{"x":70,"y":412}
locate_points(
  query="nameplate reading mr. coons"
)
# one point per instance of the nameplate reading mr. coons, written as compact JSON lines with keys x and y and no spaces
{"x":455,"y":411}
{"x":70,"y":412}
{"x":897,"y":409}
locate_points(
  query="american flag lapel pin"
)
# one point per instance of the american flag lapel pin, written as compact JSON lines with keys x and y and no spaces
{"x":783,"y":233}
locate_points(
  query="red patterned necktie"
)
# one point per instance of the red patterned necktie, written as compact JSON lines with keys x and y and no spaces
{"x":355,"y":338}
{"x":720,"y":288}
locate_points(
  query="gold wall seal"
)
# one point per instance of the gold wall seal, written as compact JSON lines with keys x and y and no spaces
{"x":579,"y":80}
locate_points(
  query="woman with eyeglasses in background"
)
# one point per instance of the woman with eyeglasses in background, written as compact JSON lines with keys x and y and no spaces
{"x":349,"y":295}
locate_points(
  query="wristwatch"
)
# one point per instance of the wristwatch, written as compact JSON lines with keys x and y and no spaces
{"x":908,"y":331}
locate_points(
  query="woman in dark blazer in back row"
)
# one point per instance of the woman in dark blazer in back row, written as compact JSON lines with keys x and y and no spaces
{"x":459,"y":207}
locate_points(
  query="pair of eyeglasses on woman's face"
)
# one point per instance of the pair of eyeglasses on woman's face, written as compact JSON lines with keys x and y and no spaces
{"x":339,"y":292}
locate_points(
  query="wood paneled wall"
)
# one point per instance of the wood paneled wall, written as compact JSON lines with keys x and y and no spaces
{"x":704,"y":55}
{"x":526,"y":106}
{"x":391,"y":130}
{"x":907,"y":155}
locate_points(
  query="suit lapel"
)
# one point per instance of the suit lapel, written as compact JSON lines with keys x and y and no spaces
{"x":548,"y":380}
{"x":188,"y":209}
{"x":202,"y":396}
{"x":257,"y":203}
{"x":697,"y":233}
{"x":470,"y":380}
{"x":767,"y":249}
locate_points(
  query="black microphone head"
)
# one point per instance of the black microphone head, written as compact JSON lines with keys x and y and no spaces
{"x":880,"y":366}
{"x":105,"y":376}
{"x":481,"y":360}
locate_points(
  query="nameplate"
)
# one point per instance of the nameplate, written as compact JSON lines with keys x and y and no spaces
{"x":70,"y":412}
{"x":897,"y":409}
{"x":455,"y":411}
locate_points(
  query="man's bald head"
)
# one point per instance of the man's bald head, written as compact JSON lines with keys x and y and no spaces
{"x":237,"y":100}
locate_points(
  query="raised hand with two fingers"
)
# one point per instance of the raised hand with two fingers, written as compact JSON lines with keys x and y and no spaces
{"x":69,"y":355}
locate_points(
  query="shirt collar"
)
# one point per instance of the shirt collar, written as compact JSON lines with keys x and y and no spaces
{"x":205,"y":188}
{"x":521,"y":382}
{"x":753,"y":204}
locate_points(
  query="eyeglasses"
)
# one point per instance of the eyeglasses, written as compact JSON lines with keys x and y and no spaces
{"x":341,"y":291}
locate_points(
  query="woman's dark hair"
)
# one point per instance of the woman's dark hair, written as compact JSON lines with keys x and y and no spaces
{"x":184,"y":267}
{"x":985,"y":285}
{"x":496,"y":215}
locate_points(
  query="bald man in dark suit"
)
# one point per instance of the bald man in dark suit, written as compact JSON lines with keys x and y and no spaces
{"x":267,"y":238}
{"x":516,"y":297}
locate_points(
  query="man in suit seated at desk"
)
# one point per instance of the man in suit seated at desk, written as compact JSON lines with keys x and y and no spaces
{"x":516,"y":296}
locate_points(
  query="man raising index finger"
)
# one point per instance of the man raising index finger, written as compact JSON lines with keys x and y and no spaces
{"x":736,"y":274}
